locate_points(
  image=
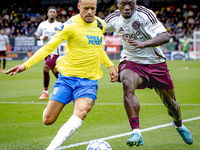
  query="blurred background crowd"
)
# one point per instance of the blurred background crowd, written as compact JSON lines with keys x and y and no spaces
{"x":179,"y":17}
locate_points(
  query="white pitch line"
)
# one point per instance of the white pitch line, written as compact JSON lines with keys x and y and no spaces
{"x":22,"y":103}
{"x":155,"y":104}
{"x":125,"y":134}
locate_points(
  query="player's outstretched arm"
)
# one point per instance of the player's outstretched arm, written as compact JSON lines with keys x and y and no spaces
{"x":16,"y":69}
{"x":113,"y":74}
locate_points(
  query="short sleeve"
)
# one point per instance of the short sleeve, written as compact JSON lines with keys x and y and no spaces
{"x":39,"y":30}
{"x":153,"y":26}
{"x":109,"y":28}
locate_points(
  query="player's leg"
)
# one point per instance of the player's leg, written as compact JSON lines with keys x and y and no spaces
{"x":84,"y":95}
{"x":55,"y":72}
{"x":169,"y":100}
{"x":173,"y":108}
{"x":52,"y":112}
{"x":185,"y":58}
{"x":4,"y":63}
{"x":131,"y":81}
{"x":188,"y":55}
{"x":46,"y":79}
{"x":60,"y":96}
{"x":52,"y":63}
{"x":0,"y":61}
{"x":81,"y":107}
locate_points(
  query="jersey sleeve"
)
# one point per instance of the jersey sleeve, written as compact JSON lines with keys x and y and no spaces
{"x":39,"y":30}
{"x":109,"y":28}
{"x":105,"y":59}
{"x":43,"y":52}
{"x":153,"y":26}
{"x":110,"y":20}
{"x":62,"y":34}
{"x":66,"y":29}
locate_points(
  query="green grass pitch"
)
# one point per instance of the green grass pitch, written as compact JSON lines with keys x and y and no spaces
{"x":21,"y":126}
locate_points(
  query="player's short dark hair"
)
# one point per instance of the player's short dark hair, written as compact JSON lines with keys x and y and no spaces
{"x":51,"y":7}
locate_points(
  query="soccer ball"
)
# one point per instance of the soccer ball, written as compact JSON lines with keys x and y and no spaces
{"x":98,"y":145}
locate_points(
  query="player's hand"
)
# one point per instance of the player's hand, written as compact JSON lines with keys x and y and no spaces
{"x":113,"y":74}
{"x":45,"y":37}
{"x":16,"y":69}
{"x":135,"y":43}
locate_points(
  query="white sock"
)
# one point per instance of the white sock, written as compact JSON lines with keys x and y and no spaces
{"x":136,"y":130}
{"x":65,"y":132}
{"x":45,"y":91}
{"x":44,"y":113}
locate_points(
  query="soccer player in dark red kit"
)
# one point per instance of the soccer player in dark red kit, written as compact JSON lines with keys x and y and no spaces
{"x":45,"y":32}
{"x":142,"y":64}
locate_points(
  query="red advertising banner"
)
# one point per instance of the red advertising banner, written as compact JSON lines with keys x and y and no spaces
{"x":112,"y":44}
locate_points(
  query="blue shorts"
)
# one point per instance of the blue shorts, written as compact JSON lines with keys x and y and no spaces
{"x":67,"y":89}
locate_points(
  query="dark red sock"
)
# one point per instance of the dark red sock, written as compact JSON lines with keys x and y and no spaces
{"x":134,"y":122}
{"x":4,"y":63}
{"x":178,"y":123}
{"x":46,"y":81}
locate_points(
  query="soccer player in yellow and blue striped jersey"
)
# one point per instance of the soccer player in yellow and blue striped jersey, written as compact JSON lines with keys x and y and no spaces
{"x":79,"y":69}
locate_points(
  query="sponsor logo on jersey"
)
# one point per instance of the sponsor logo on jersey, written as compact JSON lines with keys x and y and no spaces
{"x":121,"y":29}
{"x":156,"y":27}
{"x":94,"y":40}
{"x":136,"y":25}
{"x":131,"y":36}
{"x":61,"y":27}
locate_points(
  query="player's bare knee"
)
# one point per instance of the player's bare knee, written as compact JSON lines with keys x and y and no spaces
{"x":48,"y":120}
{"x":126,"y":83}
{"x":81,"y":113}
{"x":128,"y":86}
{"x":46,"y":69}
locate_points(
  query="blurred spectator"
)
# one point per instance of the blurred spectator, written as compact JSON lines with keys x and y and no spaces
{"x":179,"y":17}
{"x":32,"y":18}
{"x":176,"y":45}
{"x":7,"y":30}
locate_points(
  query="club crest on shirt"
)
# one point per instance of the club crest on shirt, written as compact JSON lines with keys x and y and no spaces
{"x":136,"y":25}
{"x":55,"y":28}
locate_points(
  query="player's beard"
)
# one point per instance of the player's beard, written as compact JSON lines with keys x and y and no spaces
{"x":52,"y":19}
